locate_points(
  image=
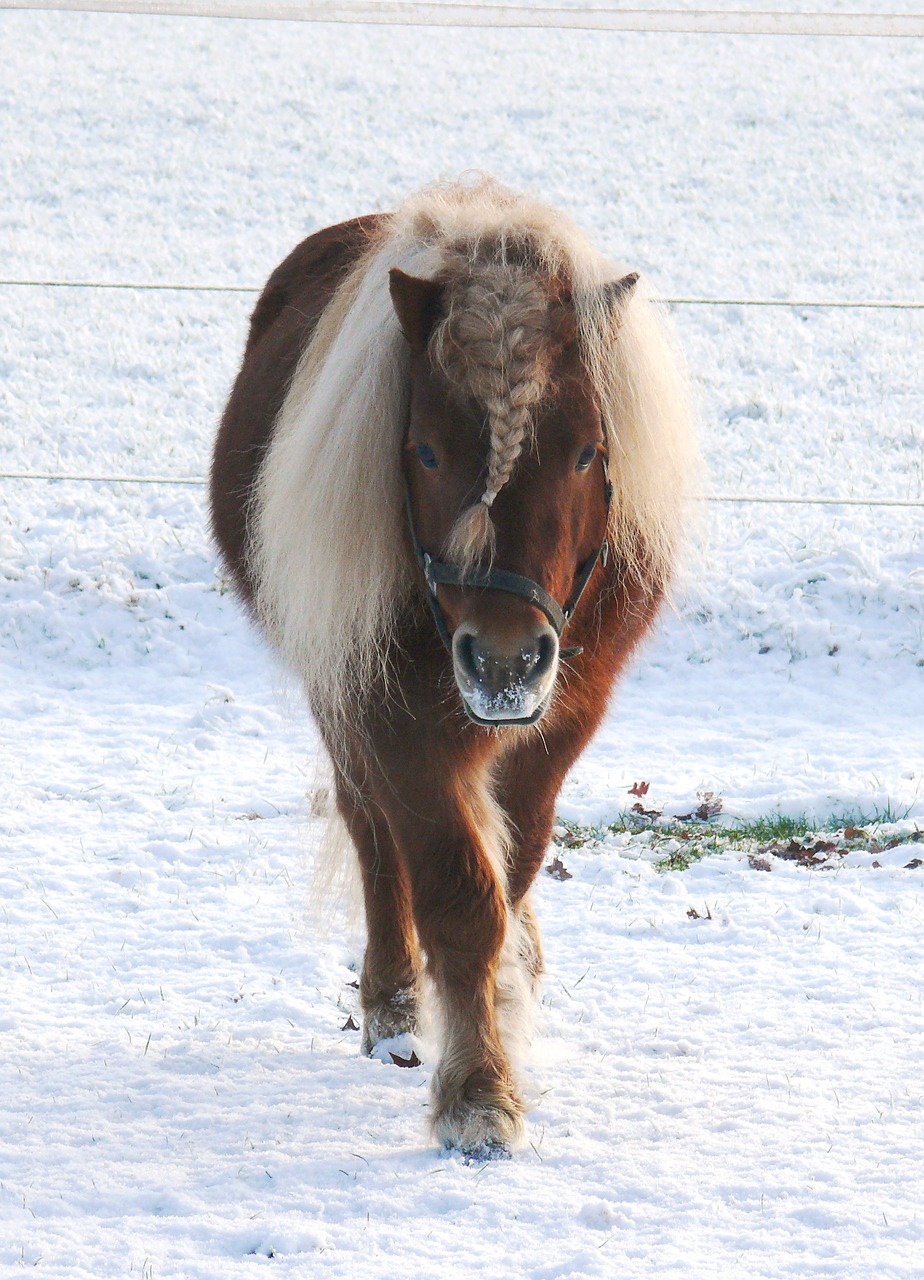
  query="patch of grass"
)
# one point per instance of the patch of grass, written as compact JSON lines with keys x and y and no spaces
{"x":684,"y":841}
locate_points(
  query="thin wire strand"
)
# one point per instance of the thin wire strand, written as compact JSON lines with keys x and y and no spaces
{"x":200,"y":482}
{"x":815,"y":502}
{"x":359,"y":12}
{"x":796,"y":303}
{"x":128,"y":284}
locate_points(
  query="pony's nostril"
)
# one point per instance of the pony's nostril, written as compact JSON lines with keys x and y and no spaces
{"x":546,"y":653}
{"x":468,"y":657}
{"x":537,"y":658}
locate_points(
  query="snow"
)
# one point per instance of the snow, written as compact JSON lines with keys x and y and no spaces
{"x":728,"y":1075}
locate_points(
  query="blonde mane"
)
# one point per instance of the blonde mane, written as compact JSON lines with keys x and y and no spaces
{"x":329,"y":547}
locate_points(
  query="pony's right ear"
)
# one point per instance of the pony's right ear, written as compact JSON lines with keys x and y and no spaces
{"x":616,"y":293}
{"x":417,"y":305}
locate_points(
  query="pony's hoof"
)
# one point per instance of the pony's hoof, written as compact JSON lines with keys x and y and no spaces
{"x":389,"y":1020}
{"x":480,"y":1130}
{"x":482,"y":1155}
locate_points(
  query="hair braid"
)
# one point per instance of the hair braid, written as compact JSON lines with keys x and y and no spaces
{"x":495,"y":342}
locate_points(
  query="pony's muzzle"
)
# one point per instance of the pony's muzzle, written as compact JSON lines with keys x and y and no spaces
{"x":505,"y":681}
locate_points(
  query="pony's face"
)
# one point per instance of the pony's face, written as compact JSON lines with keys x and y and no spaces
{"x":545,"y":522}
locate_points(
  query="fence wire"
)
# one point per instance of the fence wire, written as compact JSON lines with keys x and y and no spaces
{"x":399,"y":13}
{"x":201,"y":482}
{"x":797,"y":304}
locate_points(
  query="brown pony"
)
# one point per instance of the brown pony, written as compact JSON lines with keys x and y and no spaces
{"x":450,"y":484}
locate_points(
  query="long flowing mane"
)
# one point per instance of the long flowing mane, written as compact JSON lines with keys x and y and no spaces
{"x":329,"y":547}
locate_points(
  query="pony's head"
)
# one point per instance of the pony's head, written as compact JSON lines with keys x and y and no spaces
{"x":506,"y":469}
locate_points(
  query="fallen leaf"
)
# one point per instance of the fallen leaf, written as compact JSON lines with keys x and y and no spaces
{"x":350,"y":1025}
{"x":914,"y":864}
{"x":758,"y":864}
{"x":710,"y":807}
{"x":639,"y":789}
{"x":412,"y":1061}
{"x":557,"y":869}
{"x":645,"y":813}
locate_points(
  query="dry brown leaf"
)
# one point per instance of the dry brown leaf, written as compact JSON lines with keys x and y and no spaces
{"x":645,"y":813}
{"x":557,"y":869}
{"x":412,"y":1061}
{"x":710,"y":805}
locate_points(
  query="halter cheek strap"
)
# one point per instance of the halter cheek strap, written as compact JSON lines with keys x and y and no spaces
{"x":438,"y":572}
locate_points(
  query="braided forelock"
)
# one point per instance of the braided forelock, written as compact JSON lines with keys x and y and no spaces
{"x":494,"y":343}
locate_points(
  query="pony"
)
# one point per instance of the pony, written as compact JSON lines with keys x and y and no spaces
{"x":450,"y":486}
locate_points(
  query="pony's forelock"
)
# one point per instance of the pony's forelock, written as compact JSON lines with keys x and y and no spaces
{"x":495,"y":346}
{"x":472,"y":540}
{"x":329,"y":549}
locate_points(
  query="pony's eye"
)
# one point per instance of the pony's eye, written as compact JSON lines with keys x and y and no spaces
{"x":588,"y":453}
{"x":427,"y":457}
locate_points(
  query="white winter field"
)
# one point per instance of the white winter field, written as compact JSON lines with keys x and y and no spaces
{"x":727,"y":1079}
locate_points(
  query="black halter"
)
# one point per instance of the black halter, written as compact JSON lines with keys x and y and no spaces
{"x":437,"y":572}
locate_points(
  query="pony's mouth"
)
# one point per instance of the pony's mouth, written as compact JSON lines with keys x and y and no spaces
{"x":515,"y":704}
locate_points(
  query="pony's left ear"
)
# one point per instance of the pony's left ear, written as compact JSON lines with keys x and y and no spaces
{"x":616,"y":293}
{"x":417,"y":305}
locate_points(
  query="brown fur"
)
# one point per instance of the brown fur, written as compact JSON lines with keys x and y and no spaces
{"x":451,"y":821}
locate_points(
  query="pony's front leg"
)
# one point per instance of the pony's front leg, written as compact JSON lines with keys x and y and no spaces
{"x":453,"y":851}
{"x":389,"y":984}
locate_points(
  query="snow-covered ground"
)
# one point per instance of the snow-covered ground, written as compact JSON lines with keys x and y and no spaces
{"x":728,"y":1078}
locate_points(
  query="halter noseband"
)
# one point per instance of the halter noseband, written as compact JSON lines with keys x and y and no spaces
{"x":437,"y":572}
